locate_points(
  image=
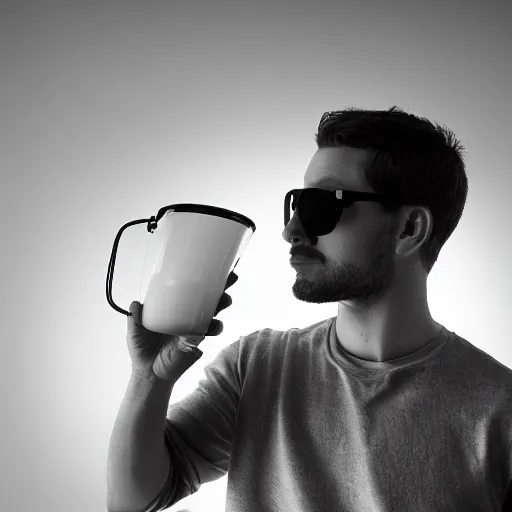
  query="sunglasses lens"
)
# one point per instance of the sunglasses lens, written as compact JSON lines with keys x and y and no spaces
{"x":317,"y":211}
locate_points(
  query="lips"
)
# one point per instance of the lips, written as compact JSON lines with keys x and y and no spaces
{"x":302,"y":259}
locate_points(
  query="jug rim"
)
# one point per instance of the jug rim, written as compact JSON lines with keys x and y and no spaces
{"x":205,"y":209}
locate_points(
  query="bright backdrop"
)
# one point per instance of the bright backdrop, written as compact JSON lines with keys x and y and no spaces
{"x":113,"y":109}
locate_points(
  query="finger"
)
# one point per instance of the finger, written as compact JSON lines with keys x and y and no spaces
{"x":136,"y":312}
{"x":133,"y":307}
{"x":232,"y":279}
{"x":215,"y":328}
{"x":224,"y":302}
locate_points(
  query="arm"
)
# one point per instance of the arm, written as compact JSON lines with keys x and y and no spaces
{"x":138,"y":461}
{"x":139,"y":464}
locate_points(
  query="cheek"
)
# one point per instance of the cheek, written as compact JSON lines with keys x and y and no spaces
{"x":352,"y":244}
{"x":339,"y":246}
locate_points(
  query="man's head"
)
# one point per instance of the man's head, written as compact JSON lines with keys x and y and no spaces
{"x":377,"y":246}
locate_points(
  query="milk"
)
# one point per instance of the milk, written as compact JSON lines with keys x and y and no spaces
{"x":179,"y":306}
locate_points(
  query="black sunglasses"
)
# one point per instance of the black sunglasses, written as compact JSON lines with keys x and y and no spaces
{"x":320,"y":210}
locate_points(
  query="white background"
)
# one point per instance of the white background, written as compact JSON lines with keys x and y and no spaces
{"x":110,"y":110}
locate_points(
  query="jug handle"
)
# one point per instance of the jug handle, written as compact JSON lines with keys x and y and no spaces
{"x":152,"y":224}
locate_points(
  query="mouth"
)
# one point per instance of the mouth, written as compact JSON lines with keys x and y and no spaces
{"x":301,"y":260}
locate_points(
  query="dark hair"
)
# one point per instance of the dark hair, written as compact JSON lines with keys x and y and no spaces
{"x":410,"y":159}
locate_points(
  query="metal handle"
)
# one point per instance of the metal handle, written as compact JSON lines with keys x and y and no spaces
{"x":110,"y":273}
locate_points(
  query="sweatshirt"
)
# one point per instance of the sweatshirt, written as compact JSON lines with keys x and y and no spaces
{"x":300,"y":425}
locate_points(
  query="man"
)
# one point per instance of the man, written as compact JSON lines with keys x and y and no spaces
{"x":380,"y":408}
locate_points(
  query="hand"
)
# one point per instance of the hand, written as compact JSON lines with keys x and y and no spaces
{"x":153,"y":352}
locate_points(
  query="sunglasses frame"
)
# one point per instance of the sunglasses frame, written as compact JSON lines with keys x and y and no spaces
{"x":344,"y":199}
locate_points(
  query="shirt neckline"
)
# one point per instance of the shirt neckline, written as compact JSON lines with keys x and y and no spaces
{"x":357,"y":365}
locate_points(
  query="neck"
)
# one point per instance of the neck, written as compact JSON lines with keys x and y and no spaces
{"x":396,"y":326}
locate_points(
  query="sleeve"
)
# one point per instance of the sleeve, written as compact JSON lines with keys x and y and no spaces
{"x":199,"y":430}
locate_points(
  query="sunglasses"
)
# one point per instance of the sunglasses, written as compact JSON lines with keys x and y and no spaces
{"x":320,"y":210}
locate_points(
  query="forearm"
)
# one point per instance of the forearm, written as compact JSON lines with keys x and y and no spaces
{"x":138,"y":460}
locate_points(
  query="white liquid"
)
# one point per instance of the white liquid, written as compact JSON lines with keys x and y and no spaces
{"x":179,"y":307}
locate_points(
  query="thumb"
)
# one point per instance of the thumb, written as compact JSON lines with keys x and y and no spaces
{"x":134,"y":320}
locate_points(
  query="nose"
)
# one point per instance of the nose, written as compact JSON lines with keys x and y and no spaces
{"x":293,"y":229}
